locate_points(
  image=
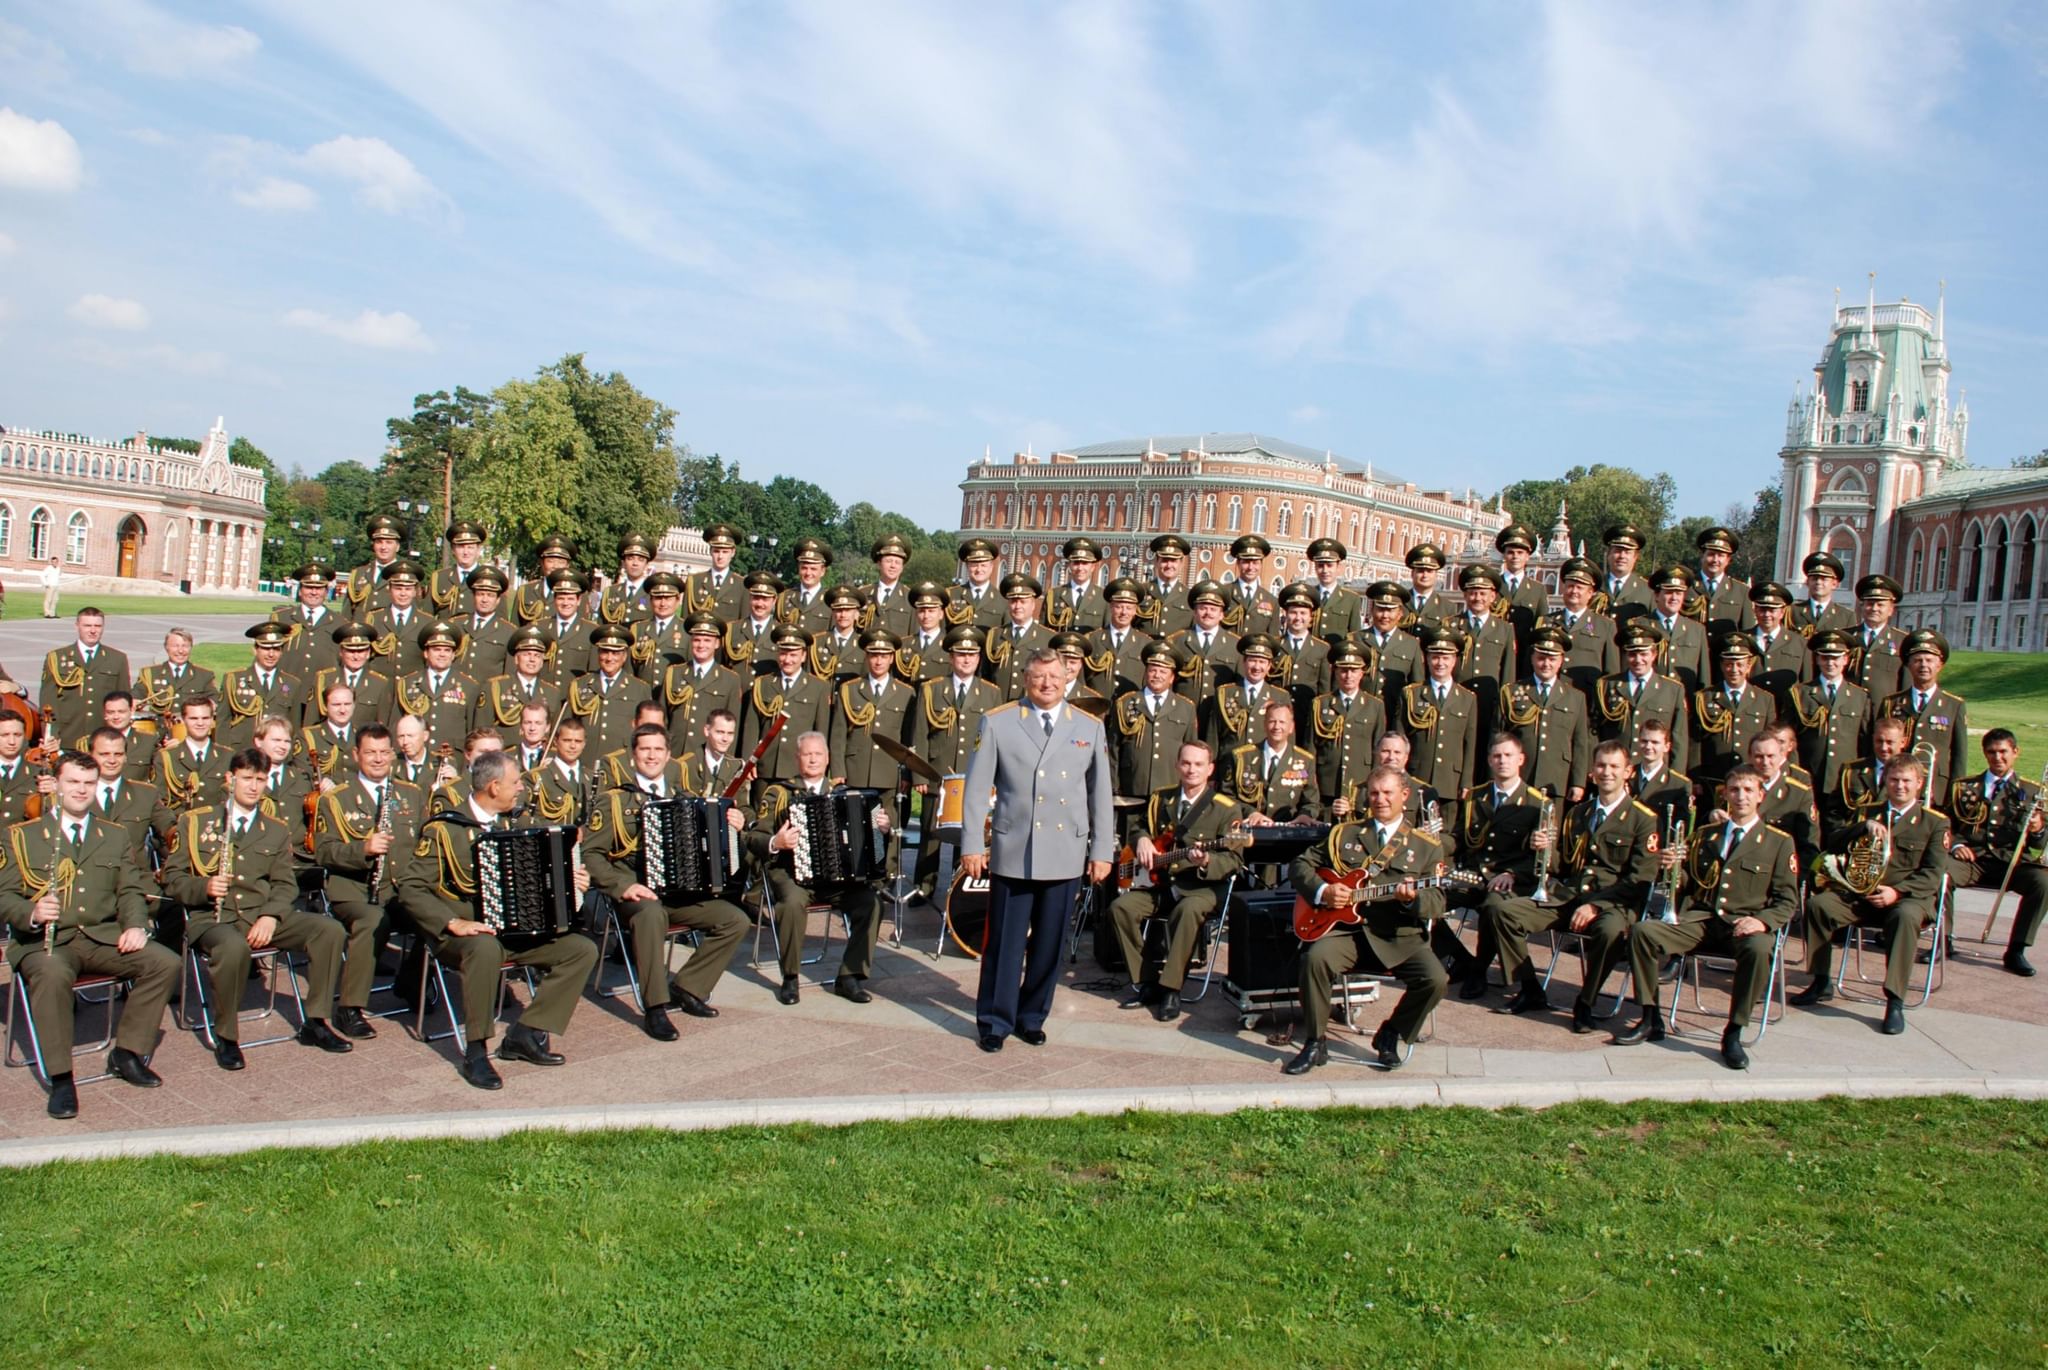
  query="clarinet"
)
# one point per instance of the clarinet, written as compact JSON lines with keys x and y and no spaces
{"x":383,"y":825}
{"x":226,"y":867}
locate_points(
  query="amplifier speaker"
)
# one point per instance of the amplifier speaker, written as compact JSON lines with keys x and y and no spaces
{"x":1264,"y":952}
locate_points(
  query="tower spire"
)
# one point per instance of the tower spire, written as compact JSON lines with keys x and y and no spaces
{"x":1940,"y":312}
{"x":1870,"y":313}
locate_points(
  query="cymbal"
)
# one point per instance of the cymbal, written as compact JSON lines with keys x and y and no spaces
{"x":1094,"y":706}
{"x":918,"y":767}
{"x":1130,"y":801}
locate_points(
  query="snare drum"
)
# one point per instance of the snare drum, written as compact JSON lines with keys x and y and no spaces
{"x":967,"y":913}
{"x":952,"y":801}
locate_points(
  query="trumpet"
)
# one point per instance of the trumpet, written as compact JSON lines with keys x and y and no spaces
{"x":1544,"y":824}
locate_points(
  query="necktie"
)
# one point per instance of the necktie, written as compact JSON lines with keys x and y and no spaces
{"x":1440,"y":692}
{"x":376,"y":795}
{"x":1599,"y":817}
{"x":241,"y":827}
{"x":1635,"y":687}
{"x":1919,"y":701}
{"x":177,"y":672}
{"x":1151,"y":704}
{"x":959,"y":691}
{"x":1379,"y":832}
{"x":76,"y":832}
{"x":655,"y":789}
{"x":1543,"y":691}
{"x":1831,"y":692}
{"x":1048,"y":723}
{"x":276,"y":776}
{"x":87,"y":655}
{"x":106,"y":796}
{"x":1272,"y":764}
{"x":1180,"y":812}
{"x":434,"y":684}
{"x":265,"y":678}
{"x":1729,"y":839}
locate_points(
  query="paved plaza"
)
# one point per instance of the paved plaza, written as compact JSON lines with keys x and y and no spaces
{"x":912,"y":1053}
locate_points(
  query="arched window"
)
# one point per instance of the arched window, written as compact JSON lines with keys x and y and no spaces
{"x":1259,"y":515}
{"x":1308,"y":524}
{"x":1973,"y":561}
{"x":1066,"y":510}
{"x":1130,"y":511}
{"x":1152,"y":513}
{"x":1285,"y":527}
{"x":6,"y":529}
{"x":39,"y":535}
{"x":1209,"y":513}
{"x":76,"y":529}
{"x":1173,"y":519}
{"x":2001,"y":541}
{"x":1236,"y":514}
{"x":2023,"y":569}
{"x":1916,"y":562}
{"x":1094,"y":511}
{"x":1940,"y":581}
{"x":1859,"y":397}
{"x":1354,"y":530}
{"x":6,"y":454}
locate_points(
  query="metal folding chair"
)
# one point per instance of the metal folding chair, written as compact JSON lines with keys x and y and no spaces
{"x":613,"y":930}
{"x":1210,"y":940}
{"x":1859,"y":935}
{"x":101,"y":990}
{"x":1559,"y":949}
{"x":196,"y":1011}
{"x":765,"y":925}
{"x":434,"y":983}
{"x":1774,"y":987}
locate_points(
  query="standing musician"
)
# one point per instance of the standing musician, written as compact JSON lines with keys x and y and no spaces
{"x":562,"y":784}
{"x":134,"y":804}
{"x":1204,"y":654}
{"x":1486,"y":658}
{"x":611,"y":846}
{"x":80,"y":674}
{"x":886,"y":603}
{"x":608,"y":699}
{"x":193,"y":773}
{"x":1861,"y":787}
{"x":438,"y":887}
{"x":259,"y":690}
{"x":531,"y":746}
{"x":415,"y":764}
{"x":625,"y":599}
{"x":695,"y":689}
{"x":974,"y":600}
{"x":372,"y":689}
{"x":1274,"y":780}
{"x":1048,"y":827}
{"x":719,"y":592}
{"x":1723,"y":604}
{"x":502,"y":700}
{"x":438,"y":695}
{"x":945,"y":731}
{"x":568,"y":628}
{"x":1623,"y":595}
{"x":708,"y":768}
{"x":1523,"y":598}
{"x":1915,"y":842}
{"x":1187,"y":880}
{"x":922,"y":656}
{"x":1548,"y":715}
{"x":1725,"y":717}
{"x":1393,"y":932}
{"x":310,"y":647}
{"x":1073,"y":653}
{"x":449,"y":594}
{"x":749,"y":643}
{"x":1079,"y":605}
{"x":1252,"y":606}
{"x":1738,"y":884}
{"x":1441,"y":717}
{"x":327,"y":745}
{"x":1875,"y":645}
{"x":875,"y":705}
{"x":535,"y":596}
{"x":1606,"y":856}
{"x":1166,"y":609}
{"x":835,"y":653}
{"x":117,"y":711}
{"x":1682,"y":650}
{"x":1636,"y":695}
{"x":615,"y":767}
{"x":659,"y":640}
{"x":1988,"y":809}
{"x":798,"y":696}
{"x":1006,"y":649}
{"x":287,"y":779}
{"x":1820,"y":609}
{"x":1782,"y":660}
{"x":74,"y":895}
{"x":1393,"y":652}
{"x":1830,"y":713}
{"x":1301,"y":662}
{"x":1939,"y":719}
{"x":162,"y":688}
{"x":1151,"y":723}
{"x":772,"y":840}
{"x":1345,"y":725}
{"x":485,"y":631}
{"x":363,"y":833}
{"x":1116,"y":661}
{"x":246,"y":907}
{"x":1234,"y":715}
{"x":1338,"y":611}
{"x":397,"y":625}
{"x":1429,"y":605}
{"x":1592,"y":653}
{"x":1496,"y":834}
{"x":804,"y":605}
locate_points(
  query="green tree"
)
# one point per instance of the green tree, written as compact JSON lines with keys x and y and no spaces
{"x":2038,"y":461}
{"x":441,"y":425}
{"x":347,"y":487}
{"x":186,"y":445}
{"x":1757,"y":558}
{"x":520,"y":476}
{"x":628,"y":482}
{"x":285,"y":548}
{"x":1598,"y":497}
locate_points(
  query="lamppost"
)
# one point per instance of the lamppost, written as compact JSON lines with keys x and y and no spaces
{"x":414,"y":512}
{"x":305,"y":532}
{"x":759,"y":541}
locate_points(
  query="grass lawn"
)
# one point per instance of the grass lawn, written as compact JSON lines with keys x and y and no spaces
{"x":25,"y":601}
{"x":221,"y":657}
{"x":1896,"y":1232}
{"x":2005,"y":690}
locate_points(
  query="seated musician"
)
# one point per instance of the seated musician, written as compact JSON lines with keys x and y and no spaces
{"x":133,"y":804}
{"x":1274,"y":781}
{"x":1187,"y":879}
{"x":1495,"y":835}
{"x":415,"y":764}
{"x":194,"y":773}
{"x":18,"y":779}
{"x":772,"y":841}
{"x":451,"y":778}
{"x":232,"y":913}
{"x":561,"y":785}
{"x":117,"y":711}
{"x":1899,"y":902}
{"x":1380,"y":846}
{"x":78,"y":906}
{"x":1988,"y":810}
{"x":1738,"y":884}
{"x":364,"y":829}
{"x":328,"y":744}
{"x":530,"y":747}
{"x":614,"y":770}
{"x":611,"y":849}
{"x":1605,"y":856}
{"x":1425,"y":805}
{"x":1861,"y":788}
{"x":1654,"y":781}
{"x":438,"y":886}
{"x":708,"y":769}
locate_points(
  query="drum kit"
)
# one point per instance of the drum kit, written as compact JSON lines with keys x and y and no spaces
{"x":965,"y":910}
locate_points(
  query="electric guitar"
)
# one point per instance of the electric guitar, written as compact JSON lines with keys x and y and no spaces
{"x":1311,"y":921}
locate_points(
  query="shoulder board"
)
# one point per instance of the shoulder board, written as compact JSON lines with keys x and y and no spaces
{"x":1796,"y":783}
{"x":1245,"y":748}
{"x":1433,"y":839}
{"x":1933,"y":812}
{"x":1010,"y":707}
{"x":1470,"y":790}
{"x":1678,"y":776}
{"x":1644,"y":809}
{"x":1224,"y":800}
{"x":1773,"y":827}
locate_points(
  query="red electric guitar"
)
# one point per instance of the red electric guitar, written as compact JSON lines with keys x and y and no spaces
{"x":1312,"y":921}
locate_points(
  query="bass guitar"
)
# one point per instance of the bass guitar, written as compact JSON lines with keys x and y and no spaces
{"x":1131,"y":875}
{"x":1311,"y":921}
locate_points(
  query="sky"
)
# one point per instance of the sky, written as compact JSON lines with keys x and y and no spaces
{"x":863,"y":243}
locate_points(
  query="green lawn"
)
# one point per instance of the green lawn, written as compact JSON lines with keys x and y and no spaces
{"x":1901,"y":1232}
{"x":2005,"y":690}
{"x":25,"y":601}
{"x":220,"y":657}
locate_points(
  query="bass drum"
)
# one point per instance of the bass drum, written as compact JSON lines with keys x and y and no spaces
{"x":967,"y":913}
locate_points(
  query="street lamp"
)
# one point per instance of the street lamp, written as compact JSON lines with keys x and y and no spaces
{"x":414,"y":512}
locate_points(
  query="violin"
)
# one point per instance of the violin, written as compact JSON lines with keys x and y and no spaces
{"x":43,"y":757}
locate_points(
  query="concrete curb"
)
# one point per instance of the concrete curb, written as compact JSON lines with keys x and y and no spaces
{"x":1208,"y":1099}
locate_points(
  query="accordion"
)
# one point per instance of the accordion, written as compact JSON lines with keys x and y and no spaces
{"x":837,"y":842}
{"x":526,"y":881}
{"x":687,"y":847}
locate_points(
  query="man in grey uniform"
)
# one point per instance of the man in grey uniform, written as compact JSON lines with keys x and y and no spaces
{"x":1047,"y":764}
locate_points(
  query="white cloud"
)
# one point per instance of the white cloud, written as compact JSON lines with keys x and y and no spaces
{"x":394,"y":332}
{"x":276,"y":193}
{"x":107,"y":311}
{"x":37,"y":154}
{"x":149,"y":357}
{"x":160,"y":44}
{"x":385,"y":178}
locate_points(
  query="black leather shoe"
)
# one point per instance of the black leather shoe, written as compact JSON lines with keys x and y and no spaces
{"x":1732,"y":1054}
{"x":1315,"y":1052}
{"x":228,"y":1055}
{"x":350,"y":1022}
{"x":1894,"y":1017}
{"x":989,"y":1042}
{"x":848,"y":987}
{"x":1031,"y":1037}
{"x":655,"y":1024}
{"x":316,"y":1033}
{"x":1474,"y":986}
{"x":691,"y":1004}
{"x":1648,"y":1028}
{"x":523,"y":1043}
{"x":1387,"y":1053}
{"x":1582,"y":1020}
{"x":789,"y":993}
{"x":1136,"y":996}
{"x":1527,"y":999}
{"x":63,"y":1096}
{"x":132,"y":1068}
{"x":476,"y":1068}
{"x":1167,"y":1007}
{"x":2016,"y":962}
{"x":1819,"y":992}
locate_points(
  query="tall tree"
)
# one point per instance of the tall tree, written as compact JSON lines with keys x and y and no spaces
{"x":628,"y":484}
{"x":520,"y":476}
{"x":441,"y":426}
{"x":1598,"y":497}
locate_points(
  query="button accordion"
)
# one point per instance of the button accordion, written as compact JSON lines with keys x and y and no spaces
{"x":837,"y":842}
{"x":687,"y":847}
{"x":526,"y":881}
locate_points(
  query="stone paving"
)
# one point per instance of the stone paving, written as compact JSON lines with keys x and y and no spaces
{"x":911,"y":1053}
